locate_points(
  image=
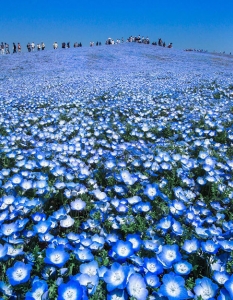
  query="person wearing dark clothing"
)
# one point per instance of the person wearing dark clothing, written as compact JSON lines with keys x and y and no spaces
{"x":14,"y":48}
{"x":68,"y":45}
{"x":63,"y":45}
{"x":42,"y":45}
{"x":99,"y":43}
{"x":29,"y":47}
{"x":164,"y":44}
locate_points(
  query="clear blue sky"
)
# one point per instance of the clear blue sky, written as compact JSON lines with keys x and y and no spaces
{"x":200,"y":24}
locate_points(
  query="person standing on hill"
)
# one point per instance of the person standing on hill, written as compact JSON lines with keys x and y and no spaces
{"x":7,"y":51}
{"x":2,"y":47}
{"x":42,"y":45}
{"x":33,"y":46}
{"x":19,"y":48}
{"x":29,"y":47}
{"x":14,"y":48}
{"x":38,"y":47}
{"x":55,"y":45}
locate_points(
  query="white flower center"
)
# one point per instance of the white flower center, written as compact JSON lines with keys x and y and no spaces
{"x":173,"y":288}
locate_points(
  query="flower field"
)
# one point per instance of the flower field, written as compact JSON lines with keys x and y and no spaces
{"x":116,"y":171}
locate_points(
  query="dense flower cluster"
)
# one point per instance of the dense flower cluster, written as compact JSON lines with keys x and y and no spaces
{"x":116,"y":175}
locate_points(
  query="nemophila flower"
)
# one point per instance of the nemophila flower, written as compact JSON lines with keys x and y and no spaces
{"x":135,"y":240}
{"x":116,"y":277}
{"x":39,"y":290}
{"x":153,"y":265}
{"x":9,"y":229}
{"x":224,"y":295}
{"x":26,"y":184}
{"x":205,"y":288}
{"x":210,"y":247}
{"x":56,"y":257}
{"x":173,"y":287}
{"x":19,"y":273}
{"x":13,"y":252}
{"x":165,"y":223}
{"x":202,"y":232}
{"x":152,"y":191}
{"x":90,"y":282}
{"x":16,"y":179}
{"x":152,"y":280}
{"x":128,"y":178}
{"x":229,"y":286}
{"x":71,"y":290}
{"x":8,"y":200}
{"x":152,"y":245}
{"x":42,"y":227}
{"x":220,"y":277}
{"x":90,"y":268}
{"x":136,"y":287}
{"x":183,"y":268}
{"x":3,"y":251}
{"x":67,"y":222}
{"x":84,"y":254}
{"x":191,"y":246}
{"x":117,"y":295}
{"x":169,"y":255}
{"x":5,"y":289}
{"x":122,"y":250}
{"x":177,"y":228}
{"x":37,"y":217}
{"x":78,"y":205}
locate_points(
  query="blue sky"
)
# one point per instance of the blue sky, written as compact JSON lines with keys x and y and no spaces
{"x":200,"y":24}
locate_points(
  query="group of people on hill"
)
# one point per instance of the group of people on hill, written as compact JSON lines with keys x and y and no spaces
{"x":139,"y":39}
{"x":32,"y":46}
{"x":5,"y":48}
{"x":161,"y":43}
{"x":93,"y":44}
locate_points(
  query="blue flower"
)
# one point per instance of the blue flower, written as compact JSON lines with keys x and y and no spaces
{"x":210,"y":247}
{"x":57,"y":257}
{"x":9,"y":229}
{"x":220,"y":277}
{"x":205,"y":288}
{"x":153,"y":265}
{"x":135,"y":240}
{"x":229,"y":286}
{"x":152,"y":191}
{"x":169,"y":255}
{"x":183,"y":268}
{"x":136,"y":287}
{"x":117,"y":295}
{"x":3,"y":251}
{"x":173,"y":287}
{"x":122,"y":250}
{"x":84,"y":254}
{"x":116,"y":277}
{"x":71,"y":290}
{"x":39,"y":290}
{"x":191,"y":246}
{"x":19,"y":273}
{"x":90,"y":268}
{"x":152,"y":280}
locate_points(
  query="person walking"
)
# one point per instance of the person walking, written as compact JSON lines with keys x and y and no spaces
{"x":7,"y":51}
{"x":55,"y":45}
{"x":29,"y":47}
{"x":19,"y":48}
{"x":2,"y":48}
